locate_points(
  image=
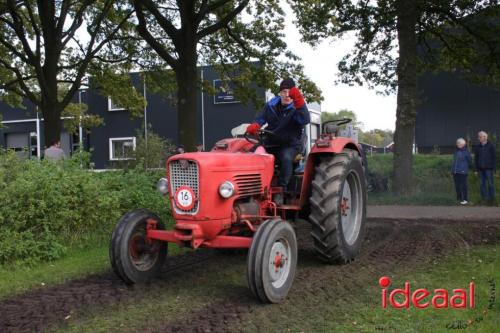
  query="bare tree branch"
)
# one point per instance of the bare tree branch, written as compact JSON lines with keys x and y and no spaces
{"x":22,"y":83}
{"x":150,"y":39}
{"x":18,"y":26}
{"x":206,"y":8}
{"x":162,"y":21}
{"x":223,"y":22}
{"x":37,"y":32}
{"x":77,"y":22}
{"x":15,"y":51}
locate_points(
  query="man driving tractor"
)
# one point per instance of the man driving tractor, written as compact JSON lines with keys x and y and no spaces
{"x":227,"y":199}
{"x":286,"y":116}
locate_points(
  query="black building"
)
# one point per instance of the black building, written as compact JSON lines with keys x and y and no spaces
{"x":449,"y":108}
{"x":217,"y":115}
{"x":22,"y":130}
{"x":112,"y":142}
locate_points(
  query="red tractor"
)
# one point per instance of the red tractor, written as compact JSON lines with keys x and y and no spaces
{"x":224,"y":199}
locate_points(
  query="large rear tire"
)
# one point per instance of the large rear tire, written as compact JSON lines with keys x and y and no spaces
{"x":272,"y":261}
{"x":134,"y":258}
{"x":338,"y":207}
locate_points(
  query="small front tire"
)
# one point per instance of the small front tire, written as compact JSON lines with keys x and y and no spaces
{"x":134,"y":258}
{"x":272,"y":261}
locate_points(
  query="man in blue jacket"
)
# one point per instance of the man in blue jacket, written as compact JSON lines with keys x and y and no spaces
{"x":286,"y":116}
{"x":485,"y":160}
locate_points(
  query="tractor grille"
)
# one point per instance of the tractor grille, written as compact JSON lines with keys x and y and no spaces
{"x":248,"y":185}
{"x":182,"y":174}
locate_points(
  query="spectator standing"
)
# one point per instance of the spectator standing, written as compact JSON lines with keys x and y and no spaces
{"x":199,"y":147}
{"x":54,"y":152}
{"x":485,"y":160}
{"x":462,"y":161}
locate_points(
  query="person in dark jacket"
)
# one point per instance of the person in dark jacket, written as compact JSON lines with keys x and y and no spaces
{"x":462,"y":160}
{"x":485,"y":160}
{"x":286,"y":116}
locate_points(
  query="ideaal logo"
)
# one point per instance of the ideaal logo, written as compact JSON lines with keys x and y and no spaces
{"x":422,"y":298}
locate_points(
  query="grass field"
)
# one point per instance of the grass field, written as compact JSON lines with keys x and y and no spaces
{"x":433,"y":182}
{"x":78,"y":263}
{"x":363,"y":311}
{"x":207,"y":291}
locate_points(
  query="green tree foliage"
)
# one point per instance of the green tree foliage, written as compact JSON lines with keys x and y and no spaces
{"x":115,"y":81}
{"x":343,"y":113}
{"x":376,"y":137}
{"x":77,"y":116}
{"x":151,"y":151}
{"x":446,"y":34}
{"x":242,"y":39}
{"x":47,"y":48}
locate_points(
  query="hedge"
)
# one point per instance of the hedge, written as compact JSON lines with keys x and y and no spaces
{"x":47,"y":207}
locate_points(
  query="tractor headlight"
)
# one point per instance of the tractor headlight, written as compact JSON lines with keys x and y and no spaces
{"x":162,"y":186}
{"x":226,"y":189}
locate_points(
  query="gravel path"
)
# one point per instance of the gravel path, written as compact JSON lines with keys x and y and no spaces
{"x":448,"y":213}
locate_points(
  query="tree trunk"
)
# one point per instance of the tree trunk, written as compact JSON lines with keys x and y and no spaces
{"x":406,"y":111}
{"x":49,"y":104}
{"x":51,"y":123}
{"x":187,"y":98}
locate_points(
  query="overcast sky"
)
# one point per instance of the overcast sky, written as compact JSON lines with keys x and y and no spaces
{"x":320,"y":65}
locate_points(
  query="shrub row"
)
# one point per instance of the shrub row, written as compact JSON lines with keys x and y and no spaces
{"x":46,"y":207}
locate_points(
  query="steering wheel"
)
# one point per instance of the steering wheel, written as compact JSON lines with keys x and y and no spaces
{"x":336,"y":122}
{"x":260,"y":139}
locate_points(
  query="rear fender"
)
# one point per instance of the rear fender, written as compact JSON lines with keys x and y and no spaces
{"x":336,"y":146}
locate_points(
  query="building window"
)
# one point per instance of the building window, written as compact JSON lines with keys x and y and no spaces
{"x":33,"y":145}
{"x":114,"y":107}
{"x":75,"y":142}
{"x":121,"y":148}
{"x":18,"y":142}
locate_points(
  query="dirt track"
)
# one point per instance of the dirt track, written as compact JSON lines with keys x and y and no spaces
{"x":389,"y":245}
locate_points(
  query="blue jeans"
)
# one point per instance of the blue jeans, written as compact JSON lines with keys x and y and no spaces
{"x":285,"y":156}
{"x":487,"y":185}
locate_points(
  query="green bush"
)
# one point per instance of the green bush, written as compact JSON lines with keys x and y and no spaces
{"x":433,"y":181}
{"x":48,"y":206}
{"x":153,"y":152}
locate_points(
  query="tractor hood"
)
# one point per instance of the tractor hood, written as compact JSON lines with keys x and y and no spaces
{"x":228,"y":162}
{"x":195,"y":178}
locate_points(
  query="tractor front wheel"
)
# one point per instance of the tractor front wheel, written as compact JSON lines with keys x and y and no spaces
{"x":272,"y":261}
{"x":133,"y":256}
{"x":338,"y":207}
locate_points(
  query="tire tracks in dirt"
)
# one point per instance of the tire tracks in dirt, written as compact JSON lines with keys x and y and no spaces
{"x":40,"y":309}
{"x":388,"y":246}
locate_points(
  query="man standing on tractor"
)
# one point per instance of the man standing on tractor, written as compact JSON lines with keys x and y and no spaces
{"x":286,"y":116}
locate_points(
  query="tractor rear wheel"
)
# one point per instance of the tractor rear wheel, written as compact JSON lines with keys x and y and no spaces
{"x":133,"y":256}
{"x":272,"y":261}
{"x":338,"y":207}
